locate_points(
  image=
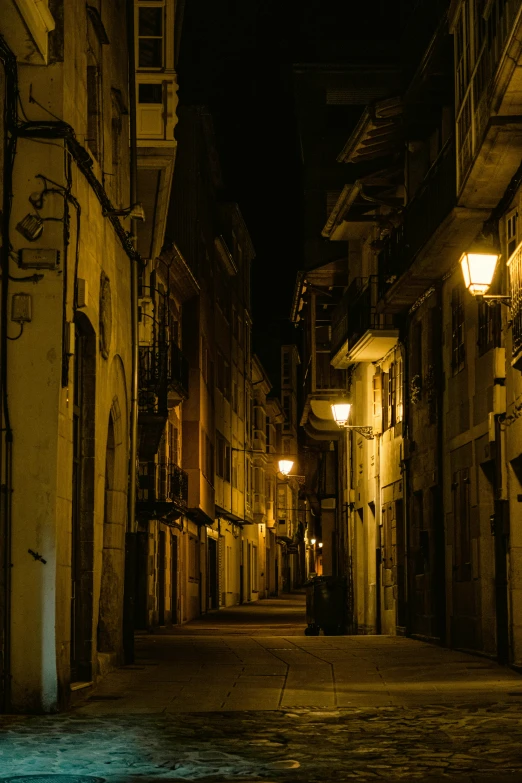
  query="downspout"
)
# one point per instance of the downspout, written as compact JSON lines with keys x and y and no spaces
{"x":129,"y":598}
{"x":134,"y":271}
{"x":6,"y":454}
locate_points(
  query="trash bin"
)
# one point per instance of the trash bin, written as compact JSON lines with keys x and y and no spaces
{"x":326,"y":605}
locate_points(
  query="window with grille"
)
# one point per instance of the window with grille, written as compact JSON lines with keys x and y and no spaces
{"x":458,"y":353}
{"x":488,"y":327}
{"x":515,"y":282}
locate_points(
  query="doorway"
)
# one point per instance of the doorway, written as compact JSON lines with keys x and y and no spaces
{"x":212,"y":598}
{"x":161,"y":578}
{"x":174,"y":597}
{"x":82,"y":509}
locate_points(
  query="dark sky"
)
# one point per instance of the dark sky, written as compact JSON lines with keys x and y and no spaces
{"x":236,"y":58}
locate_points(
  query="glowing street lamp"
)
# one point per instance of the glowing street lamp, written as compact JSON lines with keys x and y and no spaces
{"x":341,"y":413}
{"x":478,"y":270}
{"x":285,"y":466}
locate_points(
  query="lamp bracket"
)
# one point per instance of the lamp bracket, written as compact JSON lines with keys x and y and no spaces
{"x":493,"y":299}
{"x":366,"y":432}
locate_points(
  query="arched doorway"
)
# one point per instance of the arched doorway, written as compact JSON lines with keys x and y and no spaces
{"x":110,"y":616}
{"x":82,"y":508}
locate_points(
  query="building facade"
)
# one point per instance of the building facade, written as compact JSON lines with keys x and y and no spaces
{"x":428,"y":493}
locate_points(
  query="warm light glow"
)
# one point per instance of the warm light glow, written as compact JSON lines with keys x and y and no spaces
{"x":320,"y":544}
{"x":478,"y":270}
{"x":285,"y":466}
{"x":341,"y":412}
{"x":312,"y":541}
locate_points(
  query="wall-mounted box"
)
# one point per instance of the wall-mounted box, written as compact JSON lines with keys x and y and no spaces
{"x":38,"y":258}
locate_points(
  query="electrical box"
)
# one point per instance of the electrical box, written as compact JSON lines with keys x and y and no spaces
{"x":38,"y":258}
{"x":21,"y":308}
{"x":81,"y":292}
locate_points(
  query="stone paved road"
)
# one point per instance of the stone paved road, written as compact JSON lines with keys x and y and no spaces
{"x":241,"y":705}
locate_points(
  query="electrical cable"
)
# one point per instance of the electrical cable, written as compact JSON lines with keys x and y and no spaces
{"x":19,"y":334}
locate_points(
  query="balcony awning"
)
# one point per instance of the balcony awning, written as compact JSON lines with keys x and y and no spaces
{"x":317,"y":419}
{"x":370,"y":347}
{"x":378,"y":132}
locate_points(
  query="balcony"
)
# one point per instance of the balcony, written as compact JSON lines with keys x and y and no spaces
{"x":489,"y":136}
{"x":162,"y":384}
{"x":162,"y":491}
{"x":359,"y":332}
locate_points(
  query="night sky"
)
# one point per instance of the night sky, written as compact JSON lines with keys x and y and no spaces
{"x":236,"y":57}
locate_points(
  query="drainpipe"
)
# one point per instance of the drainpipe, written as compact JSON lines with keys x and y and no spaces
{"x":499,"y":528}
{"x":8,"y":60}
{"x":131,"y":536}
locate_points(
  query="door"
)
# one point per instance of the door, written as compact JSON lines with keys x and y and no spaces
{"x":249,"y":573}
{"x":161,"y":578}
{"x":388,"y":569}
{"x":174,"y":598}
{"x":212,"y":598}
{"x":463,"y":621}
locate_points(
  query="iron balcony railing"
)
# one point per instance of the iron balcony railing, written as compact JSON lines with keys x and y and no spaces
{"x":162,"y":482}
{"x":431,"y":204}
{"x":162,"y":368}
{"x":515,"y":284}
{"x":357,"y":313}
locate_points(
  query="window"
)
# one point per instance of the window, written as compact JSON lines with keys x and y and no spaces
{"x":193,"y":570}
{"x":385,"y":401}
{"x":118,"y":110}
{"x":511,"y":232}
{"x":286,"y":369}
{"x":398,"y":392}
{"x":489,"y":326}
{"x":223,"y":376}
{"x":287,"y":411}
{"x":173,"y":444}
{"x":457,"y":331}
{"x":150,"y":36}
{"x":93,"y":110}
{"x":223,"y":458}
{"x":207,"y":457}
{"x":392,"y":393}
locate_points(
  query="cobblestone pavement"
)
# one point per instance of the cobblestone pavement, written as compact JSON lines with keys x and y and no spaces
{"x":243,"y":706}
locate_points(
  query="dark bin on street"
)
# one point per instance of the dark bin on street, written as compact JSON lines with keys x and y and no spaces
{"x":326,"y":605}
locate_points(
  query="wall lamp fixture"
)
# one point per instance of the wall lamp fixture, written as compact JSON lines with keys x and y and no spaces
{"x":285,"y":466}
{"x":341,"y":414}
{"x":478,"y":269}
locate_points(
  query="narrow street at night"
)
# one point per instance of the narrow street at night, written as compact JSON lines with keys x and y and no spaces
{"x":245,"y":695}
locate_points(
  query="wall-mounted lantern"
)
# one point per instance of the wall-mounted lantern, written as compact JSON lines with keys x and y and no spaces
{"x":341,"y":414}
{"x":478,"y":269}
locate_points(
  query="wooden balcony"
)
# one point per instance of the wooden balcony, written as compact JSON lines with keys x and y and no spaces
{"x":162,"y":490}
{"x":359,"y":332}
